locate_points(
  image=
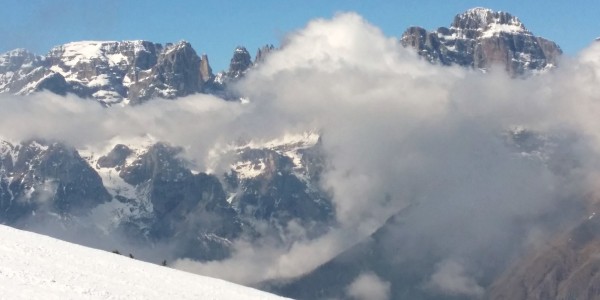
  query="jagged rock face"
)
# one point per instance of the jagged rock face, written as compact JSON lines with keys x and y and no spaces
{"x":54,"y":83}
{"x":262,"y":53}
{"x":240,"y":62}
{"x":109,"y":72}
{"x":49,"y":177}
{"x":481,"y":38}
{"x":102,"y":70}
{"x":176,"y":194}
{"x":22,"y":72}
{"x":136,"y":71}
{"x":177,"y":73}
{"x":278,"y":184}
{"x":239,"y":65}
{"x":115,"y":158}
{"x":203,"y":214}
{"x":51,"y":182}
{"x":281,"y":193}
{"x":206,"y":73}
{"x":19,"y":59}
{"x":267,"y":186}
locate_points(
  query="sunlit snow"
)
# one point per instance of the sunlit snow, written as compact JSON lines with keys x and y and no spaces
{"x":34,"y":266}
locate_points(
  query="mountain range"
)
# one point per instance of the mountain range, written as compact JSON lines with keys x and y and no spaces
{"x":146,"y":192}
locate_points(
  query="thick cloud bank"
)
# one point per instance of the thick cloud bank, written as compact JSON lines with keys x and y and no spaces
{"x":473,"y":152}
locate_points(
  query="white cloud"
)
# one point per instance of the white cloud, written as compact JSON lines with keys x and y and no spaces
{"x":369,"y":286}
{"x":450,"y":278}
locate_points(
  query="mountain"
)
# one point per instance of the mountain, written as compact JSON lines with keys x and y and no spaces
{"x":146,"y":193}
{"x":262,"y":53}
{"x":39,"y":267}
{"x":111,"y":72}
{"x":22,"y":72}
{"x":143,"y":193}
{"x":132,"y":72}
{"x":481,"y":38}
{"x":51,"y":175}
{"x":419,"y":258}
{"x":565,"y":268}
{"x":240,"y":62}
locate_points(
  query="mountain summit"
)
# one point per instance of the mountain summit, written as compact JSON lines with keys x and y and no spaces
{"x":133,"y":72}
{"x":486,"y":21}
{"x":107,"y":71}
{"x":121,"y":72}
{"x":481,"y":38}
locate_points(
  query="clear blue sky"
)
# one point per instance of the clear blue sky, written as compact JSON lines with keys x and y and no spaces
{"x":215,"y":27}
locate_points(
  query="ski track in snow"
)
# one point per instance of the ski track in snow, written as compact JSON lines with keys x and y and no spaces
{"x":34,"y":266}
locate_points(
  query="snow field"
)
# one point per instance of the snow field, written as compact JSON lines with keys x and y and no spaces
{"x":34,"y":266}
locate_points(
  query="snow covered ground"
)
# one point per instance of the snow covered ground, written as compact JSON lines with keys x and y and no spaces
{"x":34,"y":266}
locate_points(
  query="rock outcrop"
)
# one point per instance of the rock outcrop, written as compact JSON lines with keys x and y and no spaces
{"x":148,"y":194}
{"x":109,"y":72}
{"x":262,"y":53}
{"x":481,"y":38}
{"x":46,"y":177}
{"x":176,"y":73}
{"x":240,"y":62}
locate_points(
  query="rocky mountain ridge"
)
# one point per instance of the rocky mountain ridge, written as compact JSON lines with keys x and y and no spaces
{"x":112,"y":72}
{"x":149,"y":194}
{"x":132,"y":72}
{"x":481,"y":38}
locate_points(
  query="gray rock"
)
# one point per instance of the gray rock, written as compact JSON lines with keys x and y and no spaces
{"x":481,"y":38}
{"x":46,"y":177}
{"x":102,"y":70}
{"x":262,"y":53}
{"x":206,"y":73}
{"x":176,"y":74}
{"x":115,"y":158}
{"x":54,"y":83}
{"x":109,"y":72}
{"x":151,"y":196}
{"x":278,"y":196}
{"x":189,"y":209}
{"x":240,"y":62}
{"x":19,"y":60}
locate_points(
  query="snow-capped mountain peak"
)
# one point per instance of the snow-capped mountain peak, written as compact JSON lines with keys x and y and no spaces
{"x":73,"y":53}
{"x":480,"y":38}
{"x":18,"y":58}
{"x":487,"y":22}
{"x":108,"y":71}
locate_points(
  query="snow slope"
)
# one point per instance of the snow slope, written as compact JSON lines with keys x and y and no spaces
{"x":34,"y":266}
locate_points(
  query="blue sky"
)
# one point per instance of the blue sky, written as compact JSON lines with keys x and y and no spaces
{"x":216,"y":27}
